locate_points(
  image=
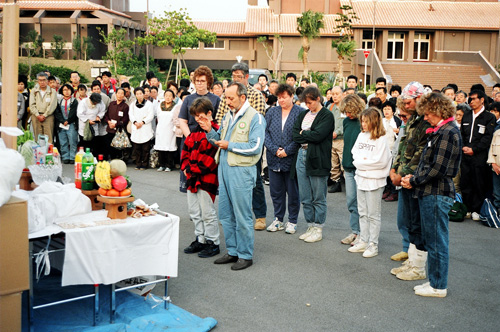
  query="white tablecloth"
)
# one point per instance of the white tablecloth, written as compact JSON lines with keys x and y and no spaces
{"x":110,"y":253}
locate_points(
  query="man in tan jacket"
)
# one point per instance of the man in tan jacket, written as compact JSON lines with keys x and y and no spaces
{"x":43,"y":102}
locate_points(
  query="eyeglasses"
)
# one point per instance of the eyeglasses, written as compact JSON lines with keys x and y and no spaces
{"x":238,"y":77}
{"x":200,"y":81}
{"x":403,"y":117}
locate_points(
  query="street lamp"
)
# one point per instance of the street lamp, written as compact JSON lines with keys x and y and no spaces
{"x":373,"y":38}
{"x":147,"y":31}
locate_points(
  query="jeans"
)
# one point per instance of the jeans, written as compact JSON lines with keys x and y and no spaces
{"x":312,"y":192}
{"x":68,"y":140}
{"x":259,"y":205}
{"x":280,"y":184}
{"x":411,"y":216}
{"x":496,"y":190}
{"x":352,"y":200}
{"x":434,"y":212}
{"x":369,"y":208}
{"x":401,"y":222}
{"x":202,"y":213}
{"x":235,"y":208}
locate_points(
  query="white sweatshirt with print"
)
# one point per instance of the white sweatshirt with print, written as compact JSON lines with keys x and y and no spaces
{"x":372,"y":159}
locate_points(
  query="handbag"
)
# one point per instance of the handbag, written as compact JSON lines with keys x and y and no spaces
{"x":489,"y":214}
{"x":88,"y":132}
{"x":121,"y":140}
{"x":458,"y":210}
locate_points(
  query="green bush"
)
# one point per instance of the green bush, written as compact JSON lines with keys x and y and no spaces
{"x":62,"y":73}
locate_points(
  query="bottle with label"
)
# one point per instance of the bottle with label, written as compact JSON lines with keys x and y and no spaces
{"x":78,"y":168}
{"x":88,"y":169}
{"x":49,"y":158}
{"x":56,"y":156}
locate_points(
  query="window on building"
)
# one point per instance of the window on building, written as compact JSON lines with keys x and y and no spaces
{"x":218,"y":45}
{"x":367,"y":41}
{"x":395,"y":46}
{"x":421,"y":45}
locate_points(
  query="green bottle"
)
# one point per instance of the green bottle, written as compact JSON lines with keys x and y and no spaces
{"x":88,"y":170}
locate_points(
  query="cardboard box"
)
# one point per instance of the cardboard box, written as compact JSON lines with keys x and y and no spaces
{"x":10,"y":312}
{"x":14,"y":247}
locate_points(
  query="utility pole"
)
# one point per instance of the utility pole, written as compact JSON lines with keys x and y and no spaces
{"x":147,"y":31}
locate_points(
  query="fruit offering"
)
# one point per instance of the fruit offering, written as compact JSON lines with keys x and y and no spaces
{"x":112,"y":180}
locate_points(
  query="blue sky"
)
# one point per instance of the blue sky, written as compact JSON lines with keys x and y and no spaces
{"x":227,"y":10}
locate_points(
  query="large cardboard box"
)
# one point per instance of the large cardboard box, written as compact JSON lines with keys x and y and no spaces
{"x":14,"y":247}
{"x":10,"y":312}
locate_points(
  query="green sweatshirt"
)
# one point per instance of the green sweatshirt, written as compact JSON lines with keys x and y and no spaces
{"x":352,"y":128}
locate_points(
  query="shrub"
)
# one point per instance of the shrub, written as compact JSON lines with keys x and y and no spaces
{"x":62,"y":73}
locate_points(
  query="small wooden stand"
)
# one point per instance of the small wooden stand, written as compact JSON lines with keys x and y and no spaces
{"x":117,"y":207}
{"x":92,"y":194}
{"x":26,"y":181}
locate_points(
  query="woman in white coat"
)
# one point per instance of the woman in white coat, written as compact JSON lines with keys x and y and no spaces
{"x":141,"y":115}
{"x":91,"y":110}
{"x":165,"y":142}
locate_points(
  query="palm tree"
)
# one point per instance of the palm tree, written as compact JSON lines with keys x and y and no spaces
{"x":345,"y":50}
{"x":308,"y":25}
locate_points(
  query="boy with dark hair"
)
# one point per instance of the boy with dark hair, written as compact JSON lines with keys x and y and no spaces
{"x":199,"y":166}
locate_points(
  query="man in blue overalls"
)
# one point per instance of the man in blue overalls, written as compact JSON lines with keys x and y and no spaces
{"x":240,"y":139}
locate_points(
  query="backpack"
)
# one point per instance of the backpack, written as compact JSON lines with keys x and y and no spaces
{"x":489,"y":215}
{"x":458,"y":210}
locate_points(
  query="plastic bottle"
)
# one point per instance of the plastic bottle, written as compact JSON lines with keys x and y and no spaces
{"x":49,"y":158}
{"x":78,"y":168}
{"x":88,"y":170}
{"x":56,"y":156}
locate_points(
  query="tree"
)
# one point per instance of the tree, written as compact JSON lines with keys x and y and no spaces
{"x":33,"y":46}
{"x":118,"y":46}
{"x":176,"y":30}
{"x":345,"y":45}
{"x":309,"y":25}
{"x":87,"y":47}
{"x":57,"y":45}
{"x":271,"y":51}
{"x":77,"y":46}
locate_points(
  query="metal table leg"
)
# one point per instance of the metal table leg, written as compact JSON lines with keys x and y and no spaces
{"x":96,"y":304}
{"x":112,"y":310}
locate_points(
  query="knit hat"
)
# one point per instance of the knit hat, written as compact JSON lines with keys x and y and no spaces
{"x":412,"y":90}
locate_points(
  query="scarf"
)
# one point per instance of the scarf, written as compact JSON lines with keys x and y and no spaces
{"x":442,"y":123}
{"x":164,"y":107}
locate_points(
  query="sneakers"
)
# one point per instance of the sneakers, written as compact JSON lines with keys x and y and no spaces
{"x":275,"y":226}
{"x":371,"y":250}
{"x":315,"y":236}
{"x":358,"y":247}
{"x":412,"y":273}
{"x":160,"y":169}
{"x":307,"y":233}
{"x":210,"y":250}
{"x":194,"y":247}
{"x":356,"y":241}
{"x":386,"y":194}
{"x":400,"y":256}
{"x":291,"y":228}
{"x":167,"y":169}
{"x":335,"y":187}
{"x":475,"y":217}
{"x":427,"y":290}
{"x":260,"y":224}
{"x":349,"y":239}
{"x":406,"y":265}
{"x":420,"y":286}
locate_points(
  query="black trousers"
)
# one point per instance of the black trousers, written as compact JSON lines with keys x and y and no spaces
{"x":140,"y":154}
{"x":166,"y":159}
{"x":475,"y":181}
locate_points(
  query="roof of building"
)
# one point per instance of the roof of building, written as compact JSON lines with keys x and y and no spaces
{"x":426,"y":14}
{"x":222,"y":28}
{"x":263,"y":21}
{"x":83,"y":5}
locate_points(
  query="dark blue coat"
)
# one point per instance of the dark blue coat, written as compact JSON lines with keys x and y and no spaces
{"x":276,"y":138}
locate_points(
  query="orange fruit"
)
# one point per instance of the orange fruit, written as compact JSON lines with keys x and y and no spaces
{"x":103,"y":192}
{"x":113,"y":193}
{"x":126,"y":192}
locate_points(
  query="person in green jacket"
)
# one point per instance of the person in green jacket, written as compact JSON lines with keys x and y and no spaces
{"x":313,"y":130}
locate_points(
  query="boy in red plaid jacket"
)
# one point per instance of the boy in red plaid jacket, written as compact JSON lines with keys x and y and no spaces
{"x":200,"y":168}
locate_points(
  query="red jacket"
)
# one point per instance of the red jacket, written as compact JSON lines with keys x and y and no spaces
{"x":197,"y":159}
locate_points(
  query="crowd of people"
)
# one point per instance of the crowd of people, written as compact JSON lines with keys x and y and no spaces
{"x":416,"y":146}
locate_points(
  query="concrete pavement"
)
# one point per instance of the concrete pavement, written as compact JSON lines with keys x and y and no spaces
{"x":296,"y":286}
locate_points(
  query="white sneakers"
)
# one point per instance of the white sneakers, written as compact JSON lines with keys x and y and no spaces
{"x":307,"y":233}
{"x":371,"y":250}
{"x":349,"y":239}
{"x":475,"y":217}
{"x":427,"y":290}
{"x":315,"y":236}
{"x":358,"y":247}
{"x":275,"y":226}
{"x":291,"y":228}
